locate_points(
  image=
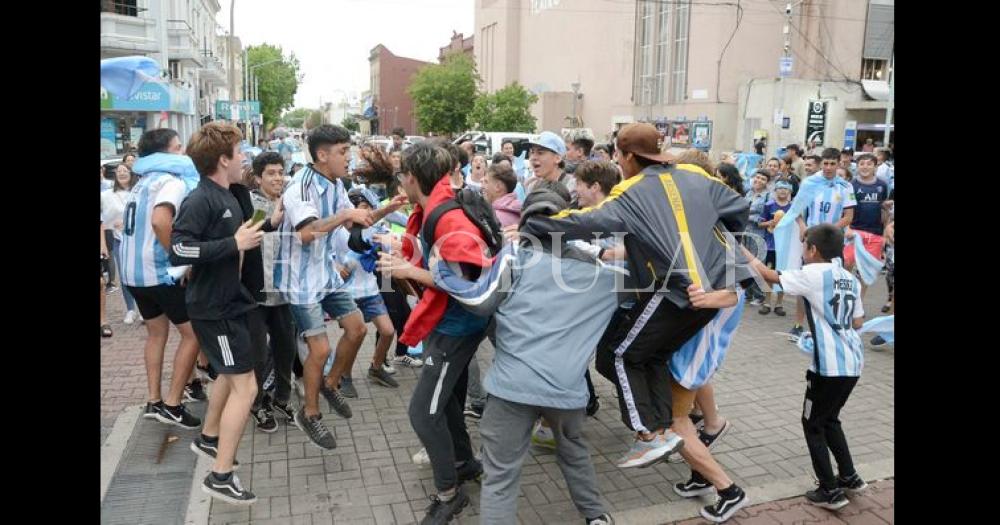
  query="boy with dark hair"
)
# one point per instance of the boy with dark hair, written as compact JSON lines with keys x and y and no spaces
{"x":210,"y":234}
{"x":450,"y":334}
{"x":835,"y":312}
{"x":594,"y":180}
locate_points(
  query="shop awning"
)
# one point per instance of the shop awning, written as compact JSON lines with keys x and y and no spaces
{"x":876,"y":89}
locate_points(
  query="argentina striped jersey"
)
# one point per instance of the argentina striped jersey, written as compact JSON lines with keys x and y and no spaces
{"x":144,"y":261}
{"x":829,"y":203}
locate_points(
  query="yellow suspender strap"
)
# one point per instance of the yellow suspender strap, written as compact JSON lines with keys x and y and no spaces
{"x":677,"y":206}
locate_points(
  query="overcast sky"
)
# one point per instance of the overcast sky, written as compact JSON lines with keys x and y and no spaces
{"x":332,"y":38}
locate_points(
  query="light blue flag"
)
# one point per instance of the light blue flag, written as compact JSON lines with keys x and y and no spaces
{"x":747,"y":164}
{"x":467,"y":171}
{"x":180,"y":165}
{"x":520,"y":167}
{"x":884,"y":326}
{"x":787,"y":247}
{"x":868,"y":266}
{"x":123,"y":76}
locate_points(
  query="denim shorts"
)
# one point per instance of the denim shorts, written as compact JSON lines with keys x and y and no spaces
{"x":309,"y":317}
{"x":371,"y":307}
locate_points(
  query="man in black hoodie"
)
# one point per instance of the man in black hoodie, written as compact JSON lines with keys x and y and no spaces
{"x":210,"y":234}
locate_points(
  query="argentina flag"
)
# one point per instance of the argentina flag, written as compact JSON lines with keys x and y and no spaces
{"x":787,"y":246}
{"x":884,"y":326}
{"x":867,"y":265}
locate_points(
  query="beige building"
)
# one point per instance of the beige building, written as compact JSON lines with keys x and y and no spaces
{"x":700,"y":66}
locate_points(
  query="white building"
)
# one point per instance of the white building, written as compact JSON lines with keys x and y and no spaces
{"x":184,"y":38}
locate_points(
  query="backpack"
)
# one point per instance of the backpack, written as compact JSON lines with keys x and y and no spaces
{"x":477,"y":210}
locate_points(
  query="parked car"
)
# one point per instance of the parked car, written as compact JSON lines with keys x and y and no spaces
{"x":491,"y":142}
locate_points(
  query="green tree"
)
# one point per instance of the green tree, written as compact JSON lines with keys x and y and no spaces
{"x":350,"y":123}
{"x":296,"y":117}
{"x":443,"y":94}
{"x":314,"y":120}
{"x":278,"y":79}
{"x":509,"y":109}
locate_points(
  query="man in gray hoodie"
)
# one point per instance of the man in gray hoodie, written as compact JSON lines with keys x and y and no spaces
{"x":551,"y":304}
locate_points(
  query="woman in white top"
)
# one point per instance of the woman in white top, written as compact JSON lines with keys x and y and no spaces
{"x":113,"y":209}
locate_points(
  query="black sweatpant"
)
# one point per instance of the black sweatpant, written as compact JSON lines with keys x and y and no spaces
{"x":399,"y":312}
{"x":825,"y":396}
{"x":438,"y":402}
{"x":634,"y":351}
{"x":277,"y":322}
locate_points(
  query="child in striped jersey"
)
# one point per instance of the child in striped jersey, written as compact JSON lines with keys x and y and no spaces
{"x":834,"y":312}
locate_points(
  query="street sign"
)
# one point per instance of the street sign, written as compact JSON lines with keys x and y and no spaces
{"x":785,"y":67}
{"x":816,"y":122}
{"x":851,"y":134}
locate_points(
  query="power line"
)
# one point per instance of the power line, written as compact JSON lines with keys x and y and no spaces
{"x":718,"y":69}
{"x":818,"y":51}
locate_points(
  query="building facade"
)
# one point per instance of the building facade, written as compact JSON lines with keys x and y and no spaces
{"x":390,"y":80}
{"x":708,"y":75}
{"x":458,"y":44}
{"x":184,"y":38}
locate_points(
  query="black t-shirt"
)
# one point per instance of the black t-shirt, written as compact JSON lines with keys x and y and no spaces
{"x":868,"y":213}
{"x":203,"y":237}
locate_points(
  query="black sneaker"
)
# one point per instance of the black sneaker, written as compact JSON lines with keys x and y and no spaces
{"x":195,"y":391}
{"x":828,"y":499}
{"x":380,"y":376}
{"x":696,"y":486}
{"x":336,"y":400}
{"x":209,"y":450}
{"x":442,"y":512}
{"x":471,"y":470}
{"x":347,"y":388}
{"x":711,"y":439}
{"x":474,"y":412}
{"x":878,"y":342}
{"x":725,"y":507}
{"x":206,"y":373}
{"x":593,"y":405}
{"x":779,"y":311}
{"x":853,"y":483}
{"x":795,"y":333}
{"x":152,"y":409}
{"x":315,"y":429}
{"x":177,"y":416}
{"x":603,"y":519}
{"x":284,"y":411}
{"x":264,"y":419}
{"x":230,"y":490}
{"x":697,"y":419}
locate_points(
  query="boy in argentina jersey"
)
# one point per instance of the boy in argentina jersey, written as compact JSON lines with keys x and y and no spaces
{"x":833,"y":300}
{"x":147,"y":272}
{"x":834,"y":204}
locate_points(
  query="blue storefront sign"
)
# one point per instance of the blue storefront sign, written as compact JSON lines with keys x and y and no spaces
{"x":152,"y":96}
{"x":246,"y":109}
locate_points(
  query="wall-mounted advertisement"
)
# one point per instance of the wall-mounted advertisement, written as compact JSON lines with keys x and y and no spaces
{"x":702,"y":133}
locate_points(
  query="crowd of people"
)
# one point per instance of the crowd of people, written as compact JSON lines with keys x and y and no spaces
{"x":619,"y":254}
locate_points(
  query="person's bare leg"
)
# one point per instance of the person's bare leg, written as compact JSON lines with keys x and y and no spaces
{"x":386,"y":335}
{"x":347,"y":348}
{"x":800,"y":311}
{"x":780,"y":301}
{"x":312,"y":371}
{"x":104,"y":295}
{"x":156,"y":341}
{"x":243,"y":389}
{"x":705,"y":398}
{"x":697,"y":455}
{"x":187,"y":352}
{"x":216,"y":402}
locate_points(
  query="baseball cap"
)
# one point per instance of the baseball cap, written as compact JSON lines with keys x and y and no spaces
{"x":551,"y":142}
{"x":783,"y":184}
{"x":642,"y":139}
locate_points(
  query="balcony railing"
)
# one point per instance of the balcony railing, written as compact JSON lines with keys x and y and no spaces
{"x":121,"y":7}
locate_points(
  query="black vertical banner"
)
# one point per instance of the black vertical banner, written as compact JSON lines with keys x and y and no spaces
{"x":816,"y":122}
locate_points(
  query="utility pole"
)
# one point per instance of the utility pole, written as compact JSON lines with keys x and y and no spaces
{"x":892,"y":101}
{"x":576,"y":95}
{"x":232,"y":65}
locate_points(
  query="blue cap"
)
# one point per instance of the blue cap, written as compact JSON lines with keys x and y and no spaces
{"x":550,"y":141}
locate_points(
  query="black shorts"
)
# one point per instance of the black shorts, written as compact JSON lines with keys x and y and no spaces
{"x":226,"y":344}
{"x":154,"y":301}
{"x":105,"y":267}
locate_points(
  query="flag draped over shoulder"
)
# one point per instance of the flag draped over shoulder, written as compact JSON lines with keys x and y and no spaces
{"x":787,"y":246}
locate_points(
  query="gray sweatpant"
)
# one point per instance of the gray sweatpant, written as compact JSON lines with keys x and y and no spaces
{"x":506,"y":434}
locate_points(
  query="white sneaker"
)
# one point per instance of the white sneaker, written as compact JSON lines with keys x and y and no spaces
{"x":412,"y":362}
{"x":388,"y":368}
{"x":543,"y":436}
{"x":421,"y":457}
{"x":131,"y":316}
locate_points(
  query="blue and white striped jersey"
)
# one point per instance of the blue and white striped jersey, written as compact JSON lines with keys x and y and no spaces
{"x":829,"y":203}
{"x":697,"y":360}
{"x":306,"y":273}
{"x":833,"y":300}
{"x":144,"y":260}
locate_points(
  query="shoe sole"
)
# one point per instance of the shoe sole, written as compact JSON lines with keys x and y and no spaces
{"x":266,"y":431}
{"x":694,"y":493}
{"x":830,"y":506}
{"x":863,"y":486}
{"x":315,"y":444}
{"x":167,"y":421}
{"x":228,"y":499}
{"x":194,"y":448}
{"x":650,"y":462}
{"x":383,"y":382}
{"x":473,"y":415}
{"x":729,"y":513}
{"x":188,"y":397}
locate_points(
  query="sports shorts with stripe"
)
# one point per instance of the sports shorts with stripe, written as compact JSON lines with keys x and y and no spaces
{"x":226,"y":344}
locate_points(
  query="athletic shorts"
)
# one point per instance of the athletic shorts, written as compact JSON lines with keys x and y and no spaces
{"x":226,"y":344}
{"x":154,"y":301}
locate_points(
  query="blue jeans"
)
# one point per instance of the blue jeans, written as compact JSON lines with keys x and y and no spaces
{"x":129,"y":300}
